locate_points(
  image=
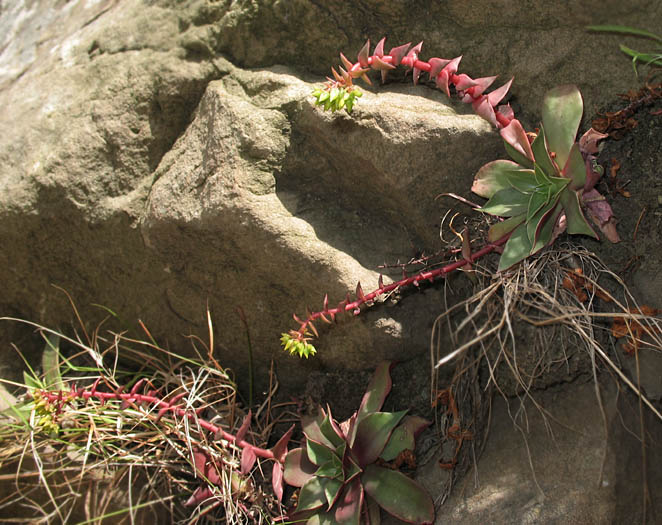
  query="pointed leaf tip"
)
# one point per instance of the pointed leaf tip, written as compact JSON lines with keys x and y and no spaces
{"x":364,"y":54}
{"x":379,"y":48}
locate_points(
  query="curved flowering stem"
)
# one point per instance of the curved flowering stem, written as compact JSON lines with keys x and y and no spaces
{"x":298,"y":341}
{"x":50,"y":404}
{"x":340,"y":92}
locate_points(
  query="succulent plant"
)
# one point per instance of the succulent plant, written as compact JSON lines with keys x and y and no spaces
{"x":338,"y":470}
{"x":545,"y":188}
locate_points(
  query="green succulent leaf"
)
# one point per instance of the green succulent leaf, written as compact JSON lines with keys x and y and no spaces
{"x":517,"y":248}
{"x":322,"y":518}
{"x":542,"y":179}
{"x":575,"y":221}
{"x":536,"y":202}
{"x":331,"y":469}
{"x":499,"y":175}
{"x":312,"y":495}
{"x":318,"y":453}
{"x":575,"y":168}
{"x":298,"y":468}
{"x":499,"y":229}
{"x":534,"y":226}
{"x":541,"y":154}
{"x":507,"y":203}
{"x":403,"y":437}
{"x":546,"y":227}
{"x":331,"y":491}
{"x":351,"y":469}
{"x":399,"y":495}
{"x":372,"y":434}
{"x":330,"y":430}
{"x":561,"y":114}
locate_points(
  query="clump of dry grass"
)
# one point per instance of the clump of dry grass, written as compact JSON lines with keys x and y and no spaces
{"x":550,"y":319}
{"x":75,"y":460}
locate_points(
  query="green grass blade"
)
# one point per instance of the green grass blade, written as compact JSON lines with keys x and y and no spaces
{"x":625,"y":30}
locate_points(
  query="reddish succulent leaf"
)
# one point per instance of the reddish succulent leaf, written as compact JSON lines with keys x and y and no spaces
{"x":248,"y":459}
{"x":311,"y":428}
{"x":436,"y":65}
{"x":403,"y":437}
{"x":515,"y":137}
{"x":414,"y":51}
{"x":348,"y":508}
{"x":481,"y":84}
{"x":372,"y":434}
{"x":588,"y":143}
{"x":199,"y":495}
{"x":483,"y":109}
{"x":280,"y":448}
{"x":345,"y":62}
{"x":359,"y":291}
{"x":464,"y":82}
{"x":298,"y":468}
{"x":241,"y":433}
{"x":199,"y":462}
{"x":497,"y":95}
{"x":379,"y":48}
{"x":398,"y":53}
{"x":600,"y":212}
{"x":277,"y":480}
{"x":348,"y":427}
{"x":506,"y":111}
{"x":364,"y":54}
{"x":398,"y":495}
{"x":378,"y":63}
{"x":445,"y":74}
{"x":378,"y":388}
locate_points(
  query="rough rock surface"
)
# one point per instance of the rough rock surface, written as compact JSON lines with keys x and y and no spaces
{"x":142,"y":171}
{"x":562,"y":468}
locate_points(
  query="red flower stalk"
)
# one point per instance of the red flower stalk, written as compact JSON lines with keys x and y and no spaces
{"x":339,"y":91}
{"x":298,"y":341}
{"x":204,"y":463}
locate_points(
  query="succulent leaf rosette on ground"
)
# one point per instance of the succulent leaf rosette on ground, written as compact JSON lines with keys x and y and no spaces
{"x":548,"y":185}
{"x":337,"y":466}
